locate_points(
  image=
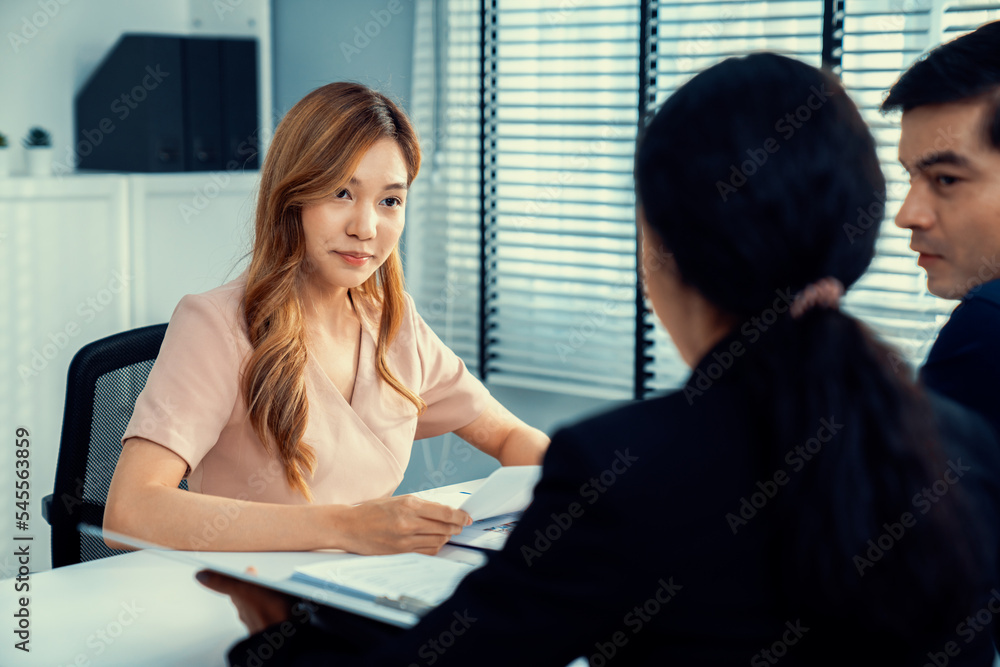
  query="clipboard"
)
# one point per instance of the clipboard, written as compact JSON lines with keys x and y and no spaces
{"x":402,"y":612}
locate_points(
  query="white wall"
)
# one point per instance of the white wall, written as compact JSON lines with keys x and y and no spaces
{"x":42,"y":67}
{"x":318,"y":42}
{"x":50,"y":48}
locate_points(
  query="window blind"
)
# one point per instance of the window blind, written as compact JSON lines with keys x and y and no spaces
{"x":522,"y":223}
{"x":691,"y":35}
{"x":442,"y":252}
{"x":562,"y":284}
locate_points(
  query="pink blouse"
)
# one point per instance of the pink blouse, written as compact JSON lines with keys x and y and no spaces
{"x":192,"y":405}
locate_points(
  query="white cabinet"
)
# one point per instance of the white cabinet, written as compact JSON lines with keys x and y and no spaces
{"x":191,"y":232}
{"x":86,"y":256}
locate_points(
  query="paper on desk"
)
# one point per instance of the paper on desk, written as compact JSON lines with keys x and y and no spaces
{"x":426,"y":578}
{"x":507,"y":489}
{"x":495,"y":504}
{"x":452,"y":495}
{"x":488,"y":533}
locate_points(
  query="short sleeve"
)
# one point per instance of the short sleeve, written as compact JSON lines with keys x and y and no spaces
{"x":454,"y":396}
{"x":193,"y":385}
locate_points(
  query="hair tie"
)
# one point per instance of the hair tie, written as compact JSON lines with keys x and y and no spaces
{"x":825,"y":292}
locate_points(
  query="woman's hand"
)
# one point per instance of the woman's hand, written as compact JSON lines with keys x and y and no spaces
{"x":258,"y":607}
{"x":399,"y":524}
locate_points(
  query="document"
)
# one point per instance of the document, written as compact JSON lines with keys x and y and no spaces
{"x":418,"y":578}
{"x":495,"y":503}
{"x":488,"y":533}
{"x":507,"y":489}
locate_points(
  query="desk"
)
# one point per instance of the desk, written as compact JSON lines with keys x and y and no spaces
{"x":129,"y":610}
{"x":135,"y":609}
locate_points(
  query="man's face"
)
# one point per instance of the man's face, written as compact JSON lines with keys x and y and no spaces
{"x":953,"y":206}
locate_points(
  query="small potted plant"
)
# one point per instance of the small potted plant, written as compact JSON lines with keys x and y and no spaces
{"x":4,"y":156}
{"x":38,"y":143}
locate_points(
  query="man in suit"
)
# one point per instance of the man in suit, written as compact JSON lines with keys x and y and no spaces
{"x":950,"y":145}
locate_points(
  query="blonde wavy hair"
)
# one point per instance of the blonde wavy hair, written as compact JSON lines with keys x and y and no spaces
{"x":315,"y":151}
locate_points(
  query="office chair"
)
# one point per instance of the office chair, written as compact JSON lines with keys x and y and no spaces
{"x":105,"y":378}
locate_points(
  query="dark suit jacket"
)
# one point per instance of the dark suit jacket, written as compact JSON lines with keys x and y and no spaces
{"x":964,"y":363}
{"x":630,"y":555}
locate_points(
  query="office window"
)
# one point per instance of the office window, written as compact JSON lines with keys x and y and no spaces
{"x":525,"y":226}
{"x":561,"y":296}
{"x":555,"y":230}
{"x":443,"y":211}
{"x":692,"y":35}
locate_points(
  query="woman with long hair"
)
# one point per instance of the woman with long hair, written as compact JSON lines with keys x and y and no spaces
{"x":290,"y":397}
{"x":800,"y":501}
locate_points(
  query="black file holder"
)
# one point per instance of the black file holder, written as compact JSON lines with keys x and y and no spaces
{"x":163,"y":103}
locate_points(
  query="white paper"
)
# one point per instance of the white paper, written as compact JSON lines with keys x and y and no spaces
{"x":489,"y":533}
{"x":495,"y":504}
{"x":507,"y":489}
{"x":452,"y":495}
{"x":426,"y":578}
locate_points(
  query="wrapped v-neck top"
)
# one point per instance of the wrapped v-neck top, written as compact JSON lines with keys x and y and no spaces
{"x":192,"y":404}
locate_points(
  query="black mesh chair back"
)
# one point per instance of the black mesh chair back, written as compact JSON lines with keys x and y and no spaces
{"x":105,"y":378}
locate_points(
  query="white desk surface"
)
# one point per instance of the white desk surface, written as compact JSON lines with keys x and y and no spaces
{"x":129,"y":610}
{"x":138,"y":609}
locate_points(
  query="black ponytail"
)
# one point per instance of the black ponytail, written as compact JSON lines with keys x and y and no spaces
{"x":848,"y":516}
{"x":765,"y":201}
